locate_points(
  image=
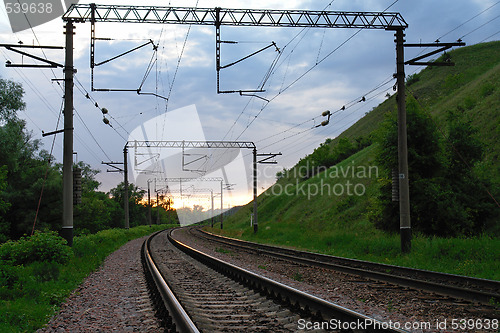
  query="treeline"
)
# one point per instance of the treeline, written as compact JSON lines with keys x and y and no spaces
{"x":325,"y":156}
{"x":25,"y":169}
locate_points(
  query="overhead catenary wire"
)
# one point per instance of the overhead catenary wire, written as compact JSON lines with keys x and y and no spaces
{"x":467,"y":21}
{"x":44,"y":99}
{"x":91,"y":135}
{"x":88,"y":96}
{"x":364,"y":98}
{"x":490,"y":36}
{"x":45,"y":102}
{"x":49,"y":161}
{"x":274,"y":68}
{"x":461,"y":25}
{"x":304,"y":74}
{"x":482,"y":25}
{"x":176,"y":71}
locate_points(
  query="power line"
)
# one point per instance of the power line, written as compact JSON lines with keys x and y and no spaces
{"x":176,"y":71}
{"x":461,"y":25}
{"x":464,"y":23}
{"x":39,"y":44}
{"x":47,"y":170}
{"x":104,"y":111}
{"x":92,"y":136}
{"x":496,"y":33}
{"x":361,"y":99}
{"x":304,"y":74}
{"x":482,"y":25}
{"x":277,"y":66}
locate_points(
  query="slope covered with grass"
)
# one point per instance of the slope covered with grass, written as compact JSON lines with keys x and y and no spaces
{"x":471,"y":87}
{"x":328,"y":210}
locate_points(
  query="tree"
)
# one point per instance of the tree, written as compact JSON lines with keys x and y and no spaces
{"x":26,"y":167}
{"x":95,"y":211}
{"x":281,"y":174}
{"x":423,"y":164}
{"x":4,"y":205}
{"x":446,"y":198}
{"x":463,"y":150}
{"x":89,"y":183}
{"x":11,"y":100}
{"x":343,"y":150}
{"x":137,"y":210}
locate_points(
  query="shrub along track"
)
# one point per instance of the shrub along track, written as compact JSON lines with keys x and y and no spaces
{"x":197,"y":292}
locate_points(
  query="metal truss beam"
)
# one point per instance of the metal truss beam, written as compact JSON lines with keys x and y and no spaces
{"x":235,"y":17}
{"x":202,"y":179}
{"x":192,"y":190}
{"x":190,"y":144}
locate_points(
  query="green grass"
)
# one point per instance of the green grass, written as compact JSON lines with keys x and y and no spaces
{"x":338,"y":225}
{"x":29,"y":304}
{"x":476,"y":257}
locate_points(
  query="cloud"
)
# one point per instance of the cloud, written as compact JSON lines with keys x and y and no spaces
{"x":348,"y":73}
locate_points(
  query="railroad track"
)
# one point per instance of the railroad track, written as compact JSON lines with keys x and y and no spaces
{"x":449,"y":285}
{"x":195,"y":292}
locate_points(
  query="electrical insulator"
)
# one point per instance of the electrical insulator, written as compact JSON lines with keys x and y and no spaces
{"x":326,"y":113}
{"x":105,"y":120}
{"x":104,"y":111}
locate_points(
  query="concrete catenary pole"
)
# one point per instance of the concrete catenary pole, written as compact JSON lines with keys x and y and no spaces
{"x":67,"y":223}
{"x":212,"y":214}
{"x":221,"y":206}
{"x":125,"y":189}
{"x":255,"y":221}
{"x":149,"y":202}
{"x":404,"y":191}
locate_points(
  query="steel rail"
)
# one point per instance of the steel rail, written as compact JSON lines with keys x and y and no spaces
{"x":379,"y":272}
{"x":293,"y":298}
{"x":178,"y":319}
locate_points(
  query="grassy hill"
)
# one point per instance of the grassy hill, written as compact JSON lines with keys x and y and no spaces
{"x":470,"y":86}
{"x":329,"y":212}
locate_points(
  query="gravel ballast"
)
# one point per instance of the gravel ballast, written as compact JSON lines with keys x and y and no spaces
{"x":115,"y":297}
{"x":112,"y":299}
{"x":420,"y":311}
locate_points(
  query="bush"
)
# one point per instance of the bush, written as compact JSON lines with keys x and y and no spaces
{"x":41,"y":247}
{"x":9,"y":275}
{"x":45,"y":271}
{"x":84,"y":245}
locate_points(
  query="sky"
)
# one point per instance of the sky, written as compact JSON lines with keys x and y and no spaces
{"x":315,"y":70}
